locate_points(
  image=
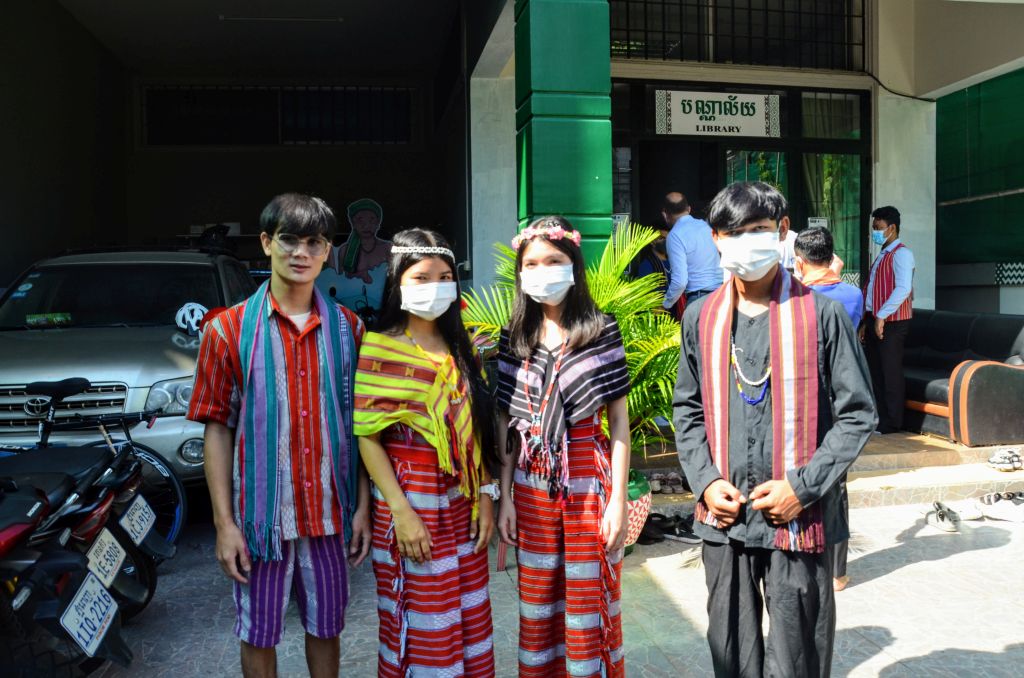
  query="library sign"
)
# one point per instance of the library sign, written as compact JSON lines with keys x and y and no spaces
{"x":716,"y":114}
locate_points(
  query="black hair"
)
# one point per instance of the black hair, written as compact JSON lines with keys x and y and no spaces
{"x":674,"y":207}
{"x":298,"y":214}
{"x":581,"y":320}
{"x":814,"y":245}
{"x":393,"y":319}
{"x":744,"y":202}
{"x":889,"y":215}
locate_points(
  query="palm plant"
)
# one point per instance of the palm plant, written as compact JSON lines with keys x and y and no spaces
{"x":651,"y":336}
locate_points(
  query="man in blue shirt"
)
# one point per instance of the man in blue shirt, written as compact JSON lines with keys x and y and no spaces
{"x":692,"y":254}
{"x":814,"y":253}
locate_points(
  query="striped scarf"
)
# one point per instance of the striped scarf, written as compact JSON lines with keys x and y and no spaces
{"x":396,"y":384}
{"x":794,"y":391}
{"x":259,"y":499}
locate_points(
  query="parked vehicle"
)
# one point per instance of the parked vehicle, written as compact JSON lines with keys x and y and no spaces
{"x":156,"y":480}
{"x":127,"y":322}
{"x":56,"y":616}
{"x":96,"y":496}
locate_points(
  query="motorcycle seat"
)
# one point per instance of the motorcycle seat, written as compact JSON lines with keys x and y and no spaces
{"x":76,"y":462}
{"x":58,"y":390}
{"x":16,"y":506}
{"x":56,"y":486}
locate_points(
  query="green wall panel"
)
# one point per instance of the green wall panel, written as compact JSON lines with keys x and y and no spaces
{"x":979,"y":152}
{"x":564,"y":133}
{"x":562,"y":46}
{"x":981,"y":232}
{"x":568,"y":164}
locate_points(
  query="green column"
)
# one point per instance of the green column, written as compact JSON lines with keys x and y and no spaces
{"x":563,"y":115}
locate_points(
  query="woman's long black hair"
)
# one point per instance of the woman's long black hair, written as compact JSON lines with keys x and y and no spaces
{"x":394,"y":319}
{"x":581,"y":320}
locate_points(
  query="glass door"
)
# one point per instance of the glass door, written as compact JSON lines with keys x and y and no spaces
{"x":831,"y":198}
{"x":766,"y":166}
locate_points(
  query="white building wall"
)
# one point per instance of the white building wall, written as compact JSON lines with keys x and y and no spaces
{"x":493,"y":147}
{"x":904,"y":176}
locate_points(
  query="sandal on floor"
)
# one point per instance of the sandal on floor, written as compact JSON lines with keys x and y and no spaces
{"x":655,"y":482}
{"x":943,"y":517}
{"x":1006,"y":459}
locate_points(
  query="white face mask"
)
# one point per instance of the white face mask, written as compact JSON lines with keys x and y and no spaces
{"x":428,"y":300}
{"x":547,"y":284}
{"x":749,"y":256}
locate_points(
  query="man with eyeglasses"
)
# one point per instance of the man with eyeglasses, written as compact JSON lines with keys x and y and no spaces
{"x":274,"y":386}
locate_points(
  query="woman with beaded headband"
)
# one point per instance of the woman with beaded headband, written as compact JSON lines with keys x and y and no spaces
{"x":424,"y":417}
{"x":561,"y":368}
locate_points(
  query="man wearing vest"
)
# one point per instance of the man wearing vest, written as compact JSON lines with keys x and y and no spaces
{"x":888,"y":302}
{"x":771,"y":407}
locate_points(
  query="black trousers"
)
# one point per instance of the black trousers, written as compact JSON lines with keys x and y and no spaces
{"x":796,"y":589}
{"x":885,"y":360}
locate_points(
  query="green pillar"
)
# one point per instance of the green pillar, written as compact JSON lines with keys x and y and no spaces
{"x":563,"y":115}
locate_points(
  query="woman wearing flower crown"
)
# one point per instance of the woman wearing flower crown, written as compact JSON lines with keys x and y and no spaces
{"x":423,"y":414}
{"x":561,"y":367}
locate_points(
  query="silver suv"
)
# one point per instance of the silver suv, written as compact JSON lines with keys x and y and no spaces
{"x":126,"y":322}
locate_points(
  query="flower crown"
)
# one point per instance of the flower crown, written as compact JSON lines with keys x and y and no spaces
{"x":550,"y":229}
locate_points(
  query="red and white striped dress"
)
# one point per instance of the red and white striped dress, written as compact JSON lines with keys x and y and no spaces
{"x":569,"y":586}
{"x":435,"y":617}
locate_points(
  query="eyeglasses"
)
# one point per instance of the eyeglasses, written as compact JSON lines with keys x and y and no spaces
{"x":289,"y":244}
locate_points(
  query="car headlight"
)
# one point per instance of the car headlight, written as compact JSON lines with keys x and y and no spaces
{"x":170,"y":397}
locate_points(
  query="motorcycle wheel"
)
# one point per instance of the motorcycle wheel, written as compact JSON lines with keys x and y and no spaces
{"x":139,"y":567}
{"x":162,"y":489}
{"x":31,"y":652}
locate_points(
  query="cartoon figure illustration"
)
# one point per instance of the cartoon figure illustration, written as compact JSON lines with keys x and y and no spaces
{"x":357,"y":269}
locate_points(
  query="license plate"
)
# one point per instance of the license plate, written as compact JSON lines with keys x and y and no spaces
{"x":87,"y":619}
{"x":138,"y":520}
{"x":105,"y":557}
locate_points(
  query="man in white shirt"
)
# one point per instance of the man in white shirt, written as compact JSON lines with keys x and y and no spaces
{"x":888,"y":308}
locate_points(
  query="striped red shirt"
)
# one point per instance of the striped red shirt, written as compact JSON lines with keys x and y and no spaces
{"x":309,"y":505}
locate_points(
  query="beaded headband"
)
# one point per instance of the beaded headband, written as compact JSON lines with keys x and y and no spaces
{"x":549,"y":229}
{"x":401,"y":249}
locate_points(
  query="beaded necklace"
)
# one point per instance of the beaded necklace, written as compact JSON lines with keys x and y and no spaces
{"x":740,"y":377}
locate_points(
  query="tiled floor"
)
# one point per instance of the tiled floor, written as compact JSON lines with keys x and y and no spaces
{"x":921,"y":603}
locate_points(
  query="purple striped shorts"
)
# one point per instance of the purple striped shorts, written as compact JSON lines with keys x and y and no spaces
{"x":314,"y":568}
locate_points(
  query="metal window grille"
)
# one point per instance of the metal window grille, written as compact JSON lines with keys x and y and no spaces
{"x":196,"y":115}
{"x":825,"y":34}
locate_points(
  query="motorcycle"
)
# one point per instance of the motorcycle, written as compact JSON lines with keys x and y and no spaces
{"x":106,"y":482}
{"x":56,"y":616}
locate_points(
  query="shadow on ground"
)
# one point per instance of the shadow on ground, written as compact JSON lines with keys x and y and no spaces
{"x":911,"y":548}
{"x":957,"y":662}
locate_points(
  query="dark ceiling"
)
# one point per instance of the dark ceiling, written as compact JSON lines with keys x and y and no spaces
{"x":271,"y":38}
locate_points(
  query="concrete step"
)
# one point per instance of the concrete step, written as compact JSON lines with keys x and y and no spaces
{"x":901,"y":468}
{"x":893,"y":488}
{"x":928,"y":484}
{"x":905,"y":451}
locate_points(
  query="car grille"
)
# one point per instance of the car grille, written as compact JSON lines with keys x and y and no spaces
{"x":99,"y":399}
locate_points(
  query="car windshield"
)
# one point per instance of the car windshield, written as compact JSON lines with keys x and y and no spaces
{"x":108,"y":295}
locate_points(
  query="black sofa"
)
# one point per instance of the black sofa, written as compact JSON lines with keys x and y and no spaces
{"x":965,"y":376}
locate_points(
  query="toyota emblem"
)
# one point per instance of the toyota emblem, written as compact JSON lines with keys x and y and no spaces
{"x":37,"y":407}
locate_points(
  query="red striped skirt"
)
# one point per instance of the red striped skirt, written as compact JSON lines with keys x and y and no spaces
{"x":569,"y":586}
{"x":435,"y":617}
